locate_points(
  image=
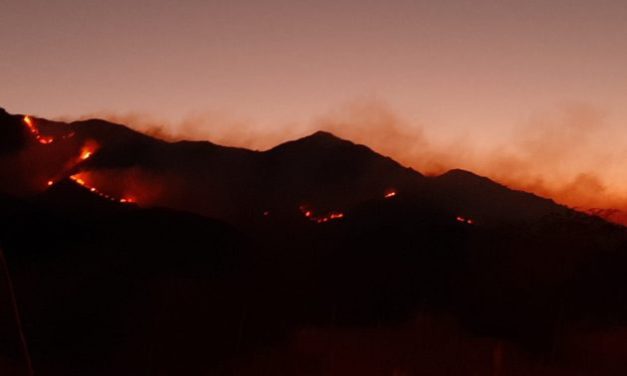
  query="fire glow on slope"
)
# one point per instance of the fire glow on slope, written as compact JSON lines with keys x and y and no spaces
{"x":80,"y":179}
{"x":333,"y":215}
{"x":90,"y":148}
{"x":330,"y":216}
{"x":30,"y":124}
{"x":86,"y":152}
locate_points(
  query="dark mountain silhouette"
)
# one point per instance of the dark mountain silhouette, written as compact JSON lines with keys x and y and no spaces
{"x":231,"y":262}
{"x":12,"y":135}
{"x":465,"y":192}
{"x":320,"y":171}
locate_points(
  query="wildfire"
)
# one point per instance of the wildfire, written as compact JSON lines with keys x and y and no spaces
{"x":329,"y":217}
{"x":309,"y":214}
{"x":88,"y":150}
{"x":80,"y":181}
{"x":86,"y":154}
{"x":30,"y":124}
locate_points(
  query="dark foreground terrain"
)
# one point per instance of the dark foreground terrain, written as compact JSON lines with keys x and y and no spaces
{"x":130,"y":255}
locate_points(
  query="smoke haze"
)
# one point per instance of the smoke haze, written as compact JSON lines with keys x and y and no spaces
{"x":570,"y":153}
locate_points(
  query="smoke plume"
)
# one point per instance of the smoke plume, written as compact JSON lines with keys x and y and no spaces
{"x":570,"y":153}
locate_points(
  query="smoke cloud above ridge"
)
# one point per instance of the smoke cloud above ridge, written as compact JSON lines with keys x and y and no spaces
{"x":571,"y":153}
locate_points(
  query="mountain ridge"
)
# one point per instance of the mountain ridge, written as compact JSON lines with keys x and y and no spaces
{"x":319,"y":170}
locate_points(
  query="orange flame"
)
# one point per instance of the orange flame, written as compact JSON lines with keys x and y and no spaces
{"x":30,"y":124}
{"x":320,"y":218}
{"x":88,"y":150}
{"x":390,"y":193}
{"x":85,"y":155}
{"x":81,"y":181}
{"x":78,"y":180}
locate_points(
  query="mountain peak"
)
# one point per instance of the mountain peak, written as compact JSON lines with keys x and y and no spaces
{"x":319,"y":140}
{"x":323,"y":137}
{"x":323,"y":134}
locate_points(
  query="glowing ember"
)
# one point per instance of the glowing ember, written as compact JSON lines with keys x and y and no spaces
{"x":46,"y":140}
{"x":464,"y":220}
{"x":390,"y":194}
{"x":80,"y":181}
{"x":336,"y":215}
{"x":88,"y":150}
{"x":50,"y":183}
{"x":329,"y":217}
{"x":320,"y":218}
{"x":85,"y":155}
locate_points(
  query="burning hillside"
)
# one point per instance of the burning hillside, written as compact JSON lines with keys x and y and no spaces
{"x":320,"y":218}
{"x":232,"y":184}
{"x":80,"y":179}
{"x":45,"y":140}
{"x":67,"y":166}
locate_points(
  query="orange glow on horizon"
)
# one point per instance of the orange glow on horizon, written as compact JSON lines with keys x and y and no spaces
{"x":562,"y":155}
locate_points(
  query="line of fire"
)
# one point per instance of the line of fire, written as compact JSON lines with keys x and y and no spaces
{"x":86,"y":152}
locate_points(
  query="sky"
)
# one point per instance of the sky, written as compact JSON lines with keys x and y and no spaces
{"x":532,"y":93}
